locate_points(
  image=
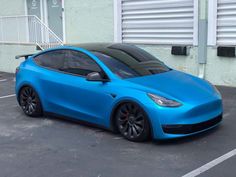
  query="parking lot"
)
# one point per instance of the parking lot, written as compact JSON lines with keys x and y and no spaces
{"x":55,"y":147}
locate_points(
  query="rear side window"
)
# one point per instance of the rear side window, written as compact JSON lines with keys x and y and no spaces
{"x":68,"y":61}
{"x":53,"y":59}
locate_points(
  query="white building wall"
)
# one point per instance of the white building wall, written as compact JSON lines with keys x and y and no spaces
{"x":93,"y":21}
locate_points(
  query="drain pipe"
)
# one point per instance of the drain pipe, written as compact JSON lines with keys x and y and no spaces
{"x":202,"y":38}
{"x":201,"y":70}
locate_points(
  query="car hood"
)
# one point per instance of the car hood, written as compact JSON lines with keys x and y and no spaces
{"x":176,"y":85}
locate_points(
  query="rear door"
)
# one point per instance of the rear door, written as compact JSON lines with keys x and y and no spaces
{"x":66,"y":89}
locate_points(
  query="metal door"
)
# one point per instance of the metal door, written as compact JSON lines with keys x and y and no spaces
{"x":34,"y":8}
{"x":55,"y":17}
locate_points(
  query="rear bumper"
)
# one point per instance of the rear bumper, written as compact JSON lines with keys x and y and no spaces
{"x":191,"y":128}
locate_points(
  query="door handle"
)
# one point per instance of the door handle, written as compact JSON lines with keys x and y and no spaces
{"x":113,"y":95}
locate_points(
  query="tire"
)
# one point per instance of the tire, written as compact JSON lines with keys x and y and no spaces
{"x":30,"y":102}
{"x":132,"y":122}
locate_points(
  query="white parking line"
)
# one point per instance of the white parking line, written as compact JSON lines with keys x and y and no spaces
{"x":2,"y":80}
{"x":211,"y":164}
{"x":7,"y":96}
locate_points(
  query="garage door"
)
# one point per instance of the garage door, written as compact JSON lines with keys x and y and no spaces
{"x":226,"y":22}
{"x":222,"y":22}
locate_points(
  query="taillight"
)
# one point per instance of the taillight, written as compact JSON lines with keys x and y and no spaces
{"x":17,"y":70}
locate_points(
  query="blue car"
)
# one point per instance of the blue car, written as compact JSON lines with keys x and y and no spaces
{"x":118,"y":87}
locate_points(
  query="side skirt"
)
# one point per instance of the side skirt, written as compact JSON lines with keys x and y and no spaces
{"x":75,"y":120}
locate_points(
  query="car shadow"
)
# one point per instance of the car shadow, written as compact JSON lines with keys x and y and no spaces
{"x":74,"y":121}
{"x":97,"y":128}
{"x":187,"y":139}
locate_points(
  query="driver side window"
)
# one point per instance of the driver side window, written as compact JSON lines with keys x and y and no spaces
{"x":79,"y":63}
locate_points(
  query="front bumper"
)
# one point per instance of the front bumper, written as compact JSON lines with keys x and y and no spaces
{"x":186,"y":120}
{"x":191,"y":128}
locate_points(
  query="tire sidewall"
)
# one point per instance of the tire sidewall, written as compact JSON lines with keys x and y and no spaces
{"x":147,"y":128}
{"x":39,"y":110}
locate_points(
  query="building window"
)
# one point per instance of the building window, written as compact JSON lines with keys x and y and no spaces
{"x":156,"y":21}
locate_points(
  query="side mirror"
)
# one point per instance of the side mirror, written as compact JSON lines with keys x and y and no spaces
{"x":95,"y":76}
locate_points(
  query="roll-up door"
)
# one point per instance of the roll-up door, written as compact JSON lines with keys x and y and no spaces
{"x":159,"y":21}
{"x":226,"y":22}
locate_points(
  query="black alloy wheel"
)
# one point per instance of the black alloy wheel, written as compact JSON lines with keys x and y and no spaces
{"x":30,"y":102}
{"x":132,"y":122}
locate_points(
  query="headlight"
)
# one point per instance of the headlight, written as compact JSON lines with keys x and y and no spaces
{"x":161,"y":101}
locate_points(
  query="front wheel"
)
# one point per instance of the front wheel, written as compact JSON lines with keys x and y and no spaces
{"x":132,"y":122}
{"x":30,"y":102}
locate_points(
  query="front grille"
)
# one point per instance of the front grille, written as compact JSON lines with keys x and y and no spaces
{"x":191,"y":128}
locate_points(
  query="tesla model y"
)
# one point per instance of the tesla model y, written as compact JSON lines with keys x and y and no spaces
{"x":119,"y":87}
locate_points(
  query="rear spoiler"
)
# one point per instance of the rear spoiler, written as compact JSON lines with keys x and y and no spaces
{"x":23,"y":56}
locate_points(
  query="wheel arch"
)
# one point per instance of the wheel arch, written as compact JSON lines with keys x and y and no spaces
{"x":20,"y":88}
{"x":113,"y":126}
{"x":28,"y":85}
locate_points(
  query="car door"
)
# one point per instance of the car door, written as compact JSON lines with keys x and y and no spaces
{"x":69,"y":93}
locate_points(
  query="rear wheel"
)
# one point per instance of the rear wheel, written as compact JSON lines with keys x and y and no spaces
{"x":30,"y":102}
{"x":132,"y":122}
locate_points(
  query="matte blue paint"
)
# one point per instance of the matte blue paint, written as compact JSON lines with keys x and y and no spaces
{"x":75,"y":97}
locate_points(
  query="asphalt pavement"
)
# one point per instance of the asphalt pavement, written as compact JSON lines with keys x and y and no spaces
{"x":49,"y":146}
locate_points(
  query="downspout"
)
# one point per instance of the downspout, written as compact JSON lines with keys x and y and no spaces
{"x":202,"y":38}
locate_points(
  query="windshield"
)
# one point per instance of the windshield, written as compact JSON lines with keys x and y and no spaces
{"x":127,"y":61}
